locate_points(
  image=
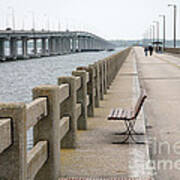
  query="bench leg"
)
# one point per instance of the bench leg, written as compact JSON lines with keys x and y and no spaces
{"x":133,"y":130}
{"x":127,"y":130}
{"x":130,"y":128}
{"x":125,"y":141}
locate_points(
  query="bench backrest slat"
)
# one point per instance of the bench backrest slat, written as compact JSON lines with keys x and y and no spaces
{"x":139,"y":103}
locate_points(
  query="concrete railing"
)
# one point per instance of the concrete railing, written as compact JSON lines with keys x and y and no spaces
{"x":56,"y":113}
{"x":173,"y":50}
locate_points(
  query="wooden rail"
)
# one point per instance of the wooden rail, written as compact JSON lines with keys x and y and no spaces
{"x":56,"y":113}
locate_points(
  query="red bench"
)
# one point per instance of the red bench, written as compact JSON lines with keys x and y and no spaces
{"x":129,"y":117}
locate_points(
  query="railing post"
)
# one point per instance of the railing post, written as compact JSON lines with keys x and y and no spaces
{"x":48,"y":129}
{"x":82,"y":99}
{"x":111,"y":71}
{"x":68,"y":108}
{"x":114,"y":68}
{"x":97,"y":85}
{"x":101,"y":80}
{"x":90,"y":88}
{"x":105,"y":76}
{"x":116,"y":64}
{"x":13,"y":159}
{"x":108,"y":74}
{"x":2,"y":49}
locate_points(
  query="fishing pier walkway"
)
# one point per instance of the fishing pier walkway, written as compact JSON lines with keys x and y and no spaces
{"x":72,"y":136}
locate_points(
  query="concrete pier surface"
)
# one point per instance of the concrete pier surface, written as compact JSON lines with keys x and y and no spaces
{"x":95,"y":155}
{"x":74,"y":140}
{"x":160,"y":75}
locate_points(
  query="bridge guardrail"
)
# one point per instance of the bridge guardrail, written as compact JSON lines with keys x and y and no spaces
{"x":56,"y":113}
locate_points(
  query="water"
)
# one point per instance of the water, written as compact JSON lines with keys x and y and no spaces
{"x":18,"y":78}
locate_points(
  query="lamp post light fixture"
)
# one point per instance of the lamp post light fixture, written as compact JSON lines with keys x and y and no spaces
{"x":175,"y":16}
{"x":164,"y":31}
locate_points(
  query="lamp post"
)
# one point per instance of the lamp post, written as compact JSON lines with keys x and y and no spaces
{"x":151,"y":34}
{"x":144,"y":38}
{"x":164,"y":30}
{"x":148,"y":35}
{"x":33,"y":20}
{"x":13,"y":17}
{"x":59,"y":25}
{"x":157,"y":28}
{"x":23,"y":23}
{"x":48,"y":24}
{"x":153,"y":27}
{"x":175,"y":12}
{"x":44,"y":25}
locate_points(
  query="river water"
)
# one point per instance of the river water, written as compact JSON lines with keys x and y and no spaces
{"x":18,"y":78}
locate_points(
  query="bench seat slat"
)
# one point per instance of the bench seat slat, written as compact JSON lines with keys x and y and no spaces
{"x":124,"y":114}
{"x":111,"y":114}
{"x":115,"y":113}
{"x":119,"y":114}
{"x":120,"y":117}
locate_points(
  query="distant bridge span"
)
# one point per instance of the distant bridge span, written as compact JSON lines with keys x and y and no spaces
{"x":49,"y":42}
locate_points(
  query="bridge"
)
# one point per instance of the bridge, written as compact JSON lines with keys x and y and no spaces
{"x":51,"y":43}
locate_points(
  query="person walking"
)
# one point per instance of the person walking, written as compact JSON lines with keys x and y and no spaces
{"x":146,"y":51}
{"x":150,"y":50}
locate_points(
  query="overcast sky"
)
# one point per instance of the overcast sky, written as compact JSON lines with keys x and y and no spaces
{"x":111,"y":19}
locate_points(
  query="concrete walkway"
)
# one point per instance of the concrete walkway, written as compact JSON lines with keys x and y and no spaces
{"x":160,"y":76}
{"x":96,"y":156}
